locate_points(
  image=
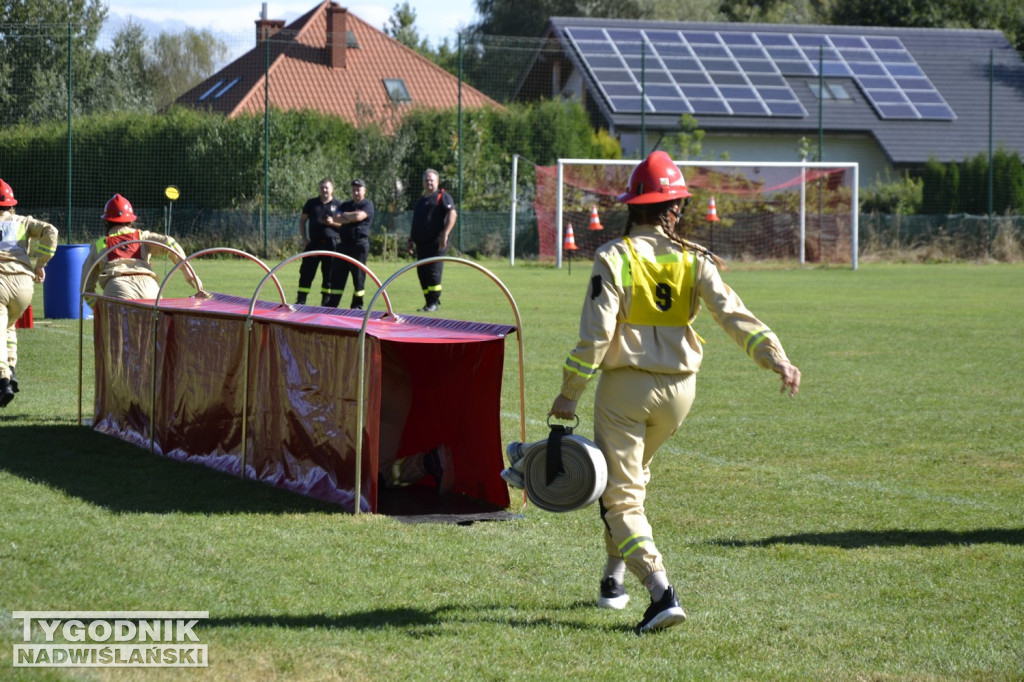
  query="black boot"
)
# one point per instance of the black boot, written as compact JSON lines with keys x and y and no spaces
{"x":300,"y":299}
{"x":6,"y":392}
{"x":14,"y":381}
{"x":357,"y":303}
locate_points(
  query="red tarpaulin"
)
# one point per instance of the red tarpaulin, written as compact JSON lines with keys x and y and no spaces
{"x":300,"y":390}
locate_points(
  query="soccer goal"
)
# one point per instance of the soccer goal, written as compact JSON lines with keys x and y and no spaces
{"x":741,"y":210}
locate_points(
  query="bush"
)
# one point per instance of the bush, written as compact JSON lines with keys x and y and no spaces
{"x":963,"y":187}
{"x":893,"y":197}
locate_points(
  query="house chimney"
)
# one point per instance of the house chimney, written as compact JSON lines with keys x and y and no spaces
{"x":266,"y":28}
{"x":337,"y":18}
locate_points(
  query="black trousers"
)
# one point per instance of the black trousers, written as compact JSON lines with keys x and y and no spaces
{"x":360,"y":250}
{"x":330,"y":272}
{"x":430,"y":274}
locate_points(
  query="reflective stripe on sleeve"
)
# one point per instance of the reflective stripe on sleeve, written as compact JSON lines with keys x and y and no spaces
{"x":577,"y":366}
{"x":43,"y":249}
{"x":754,"y":339}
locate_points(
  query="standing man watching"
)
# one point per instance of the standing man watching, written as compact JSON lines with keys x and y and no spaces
{"x":356,"y":216}
{"x":433,"y":218}
{"x":318,"y":229}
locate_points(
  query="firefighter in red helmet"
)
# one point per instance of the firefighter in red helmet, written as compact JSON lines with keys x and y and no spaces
{"x":636,"y":328}
{"x":127,"y":271}
{"x":26,"y":245}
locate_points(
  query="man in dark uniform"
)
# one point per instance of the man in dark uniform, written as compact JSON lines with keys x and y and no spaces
{"x":433,"y":218}
{"x":320,"y":213}
{"x":356,"y":216}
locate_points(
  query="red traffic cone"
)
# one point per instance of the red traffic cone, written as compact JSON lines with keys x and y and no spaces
{"x":595,"y":222}
{"x":570,"y":239}
{"x":712,"y":212}
{"x":25,"y":321}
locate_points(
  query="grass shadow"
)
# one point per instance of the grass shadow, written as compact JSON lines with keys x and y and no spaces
{"x":118,"y":476}
{"x":858,"y":539}
{"x":419,"y":622}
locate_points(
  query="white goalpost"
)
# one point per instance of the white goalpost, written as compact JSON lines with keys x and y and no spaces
{"x":777,"y":190}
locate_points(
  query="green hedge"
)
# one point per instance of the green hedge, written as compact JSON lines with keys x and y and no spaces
{"x":218,"y":163}
{"x":963,"y":187}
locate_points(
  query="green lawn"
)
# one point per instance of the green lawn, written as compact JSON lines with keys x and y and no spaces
{"x":871,"y":528}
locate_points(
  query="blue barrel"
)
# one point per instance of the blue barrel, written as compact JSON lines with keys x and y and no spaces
{"x":62,"y":287}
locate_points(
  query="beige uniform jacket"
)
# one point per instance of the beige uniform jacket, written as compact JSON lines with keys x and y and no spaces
{"x":608,"y":341}
{"x":25,"y":238}
{"x":127,"y":266}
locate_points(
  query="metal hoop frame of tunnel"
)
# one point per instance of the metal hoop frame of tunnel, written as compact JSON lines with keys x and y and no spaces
{"x":81,"y":306}
{"x":361,"y":399}
{"x":248,"y":329}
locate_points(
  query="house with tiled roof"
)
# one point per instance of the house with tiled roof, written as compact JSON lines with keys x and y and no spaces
{"x":887,"y":98}
{"x":331,"y":61}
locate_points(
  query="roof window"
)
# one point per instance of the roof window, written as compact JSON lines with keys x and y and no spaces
{"x":397,"y":90}
{"x":832,"y":90}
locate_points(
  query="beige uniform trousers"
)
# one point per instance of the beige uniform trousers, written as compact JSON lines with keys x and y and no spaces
{"x":635,"y":412}
{"x":131,"y":287}
{"x":15,"y":297}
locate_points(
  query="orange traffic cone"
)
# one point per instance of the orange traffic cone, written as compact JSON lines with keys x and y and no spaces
{"x":595,"y":222}
{"x":712,"y":212}
{"x":570,"y":239}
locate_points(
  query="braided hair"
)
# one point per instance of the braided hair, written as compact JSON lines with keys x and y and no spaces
{"x":661,"y":214}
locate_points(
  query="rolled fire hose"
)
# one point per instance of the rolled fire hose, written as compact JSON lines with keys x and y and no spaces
{"x":562,"y":473}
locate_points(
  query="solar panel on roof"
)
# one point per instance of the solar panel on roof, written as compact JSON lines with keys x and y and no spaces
{"x":737,"y":39}
{"x":663,"y":59}
{"x":848,"y":41}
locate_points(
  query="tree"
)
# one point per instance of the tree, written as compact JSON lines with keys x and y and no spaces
{"x":1004,"y":15}
{"x":684,"y":10}
{"x":34,"y":52}
{"x":178,"y":61}
{"x":127,"y":69}
{"x":688,"y":142}
{"x":528,"y":18}
{"x":401,"y":27}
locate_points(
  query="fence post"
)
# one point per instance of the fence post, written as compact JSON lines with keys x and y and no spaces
{"x":69,"y":224}
{"x":459,"y":210}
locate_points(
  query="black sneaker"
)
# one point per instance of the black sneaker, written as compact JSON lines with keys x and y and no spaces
{"x":613,"y":595}
{"x":429,"y":308}
{"x":440,"y":463}
{"x":661,"y":614}
{"x":6,"y":392}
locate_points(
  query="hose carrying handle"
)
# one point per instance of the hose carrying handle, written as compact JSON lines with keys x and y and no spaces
{"x":553,"y":465}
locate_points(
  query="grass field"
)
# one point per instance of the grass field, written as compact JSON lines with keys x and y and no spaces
{"x":871,"y":528}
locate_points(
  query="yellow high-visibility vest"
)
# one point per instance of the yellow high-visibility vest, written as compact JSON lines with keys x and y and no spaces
{"x":662,"y":288}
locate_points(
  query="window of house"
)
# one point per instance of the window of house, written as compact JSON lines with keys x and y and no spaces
{"x":832,"y":90}
{"x":210,"y":91}
{"x":226,"y":88}
{"x":397,"y":90}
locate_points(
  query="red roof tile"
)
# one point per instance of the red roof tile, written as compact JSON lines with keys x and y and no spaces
{"x":301,"y":76}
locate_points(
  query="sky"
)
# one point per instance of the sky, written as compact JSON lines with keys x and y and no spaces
{"x":234,"y":17}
